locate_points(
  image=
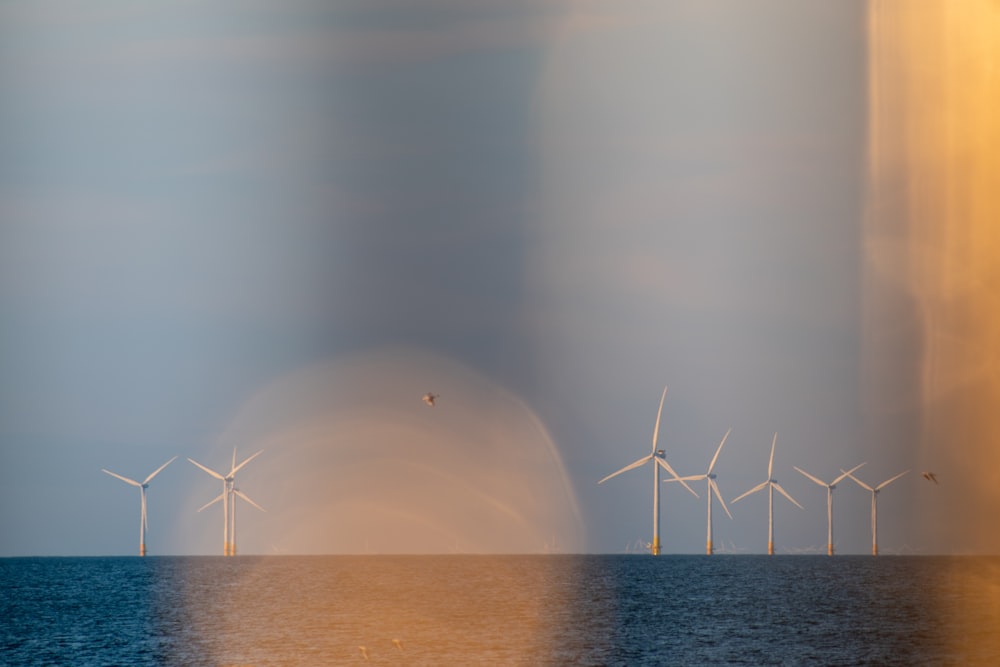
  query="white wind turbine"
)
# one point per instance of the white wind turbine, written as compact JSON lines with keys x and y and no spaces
{"x":142,"y":495}
{"x":875,"y":492}
{"x":713,"y":487}
{"x":770,"y":484}
{"x":829,"y":502}
{"x":659,"y":462}
{"x":228,"y":501}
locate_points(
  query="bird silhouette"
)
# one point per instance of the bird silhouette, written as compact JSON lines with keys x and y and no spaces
{"x":930,"y":477}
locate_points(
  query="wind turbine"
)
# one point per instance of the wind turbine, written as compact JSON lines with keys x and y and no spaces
{"x":709,"y":476}
{"x":875,"y":492}
{"x":142,"y":495}
{"x":770,"y":484}
{"x":228,"y":501}
{"x":829,"y":502}
{"x":659,"y":461}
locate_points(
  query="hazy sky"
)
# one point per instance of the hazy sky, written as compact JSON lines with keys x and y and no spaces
{"x":569,"y":204}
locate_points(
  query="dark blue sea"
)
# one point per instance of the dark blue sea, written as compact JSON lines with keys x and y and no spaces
{"x":501,"y":610}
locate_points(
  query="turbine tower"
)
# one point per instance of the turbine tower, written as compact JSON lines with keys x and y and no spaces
{"x":713,"y":487}
{"x":829,"y":502}
{"x":770,"y":484}
{"x":142,"y":503}
{"x":229,"y":491}
{"x":875,"y":492}
{"x":656,"y":456}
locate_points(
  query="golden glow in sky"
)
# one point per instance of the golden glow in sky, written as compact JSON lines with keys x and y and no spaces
{"x":355,"y":462}
{"x":932,"y":244}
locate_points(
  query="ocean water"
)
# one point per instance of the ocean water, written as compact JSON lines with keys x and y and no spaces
{"x":501,"y":610}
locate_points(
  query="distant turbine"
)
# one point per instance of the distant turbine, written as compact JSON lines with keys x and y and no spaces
{"x":829,"y":502}
{"x":142,"y":495}
{"x":713,"y":487}
{"x":770,"y":484}
{"x":229,"y":491}
{"x":659,"y":462}
{"x":875,"y":492}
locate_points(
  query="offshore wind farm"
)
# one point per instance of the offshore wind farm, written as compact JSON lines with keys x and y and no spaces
{"x":656,"y":458}
{"x":435,"y":258}
{"x":770,"y":484}
{"x":767,"y":607}
{"x":227,"y":498}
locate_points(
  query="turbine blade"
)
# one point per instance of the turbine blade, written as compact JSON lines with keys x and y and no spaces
{"x":821,"y":483}
{"x":862,"y":484}
{"x":688,"y":478}
{"x":845,"y":474}
{"x":715,"y":488}
{"x":246,"y":461}
{"x":124,"y":479}
{"x":785,"y":494}
{"x":157,"y":471}
{"x":666,"y":466}
{"x":630,"y":466}
{"x":656,"y":429}
{"x":208,"y":470}
{"x":714,"y":458}
{"x":753,"y":490}
{"x":211,"y":502}
{"x":890,"y":480}
{"x":770,"y":463}
{"x":247,"y":498}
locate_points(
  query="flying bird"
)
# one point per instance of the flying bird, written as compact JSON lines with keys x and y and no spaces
{"x":429,"y":398}
{"x":930,"y":477}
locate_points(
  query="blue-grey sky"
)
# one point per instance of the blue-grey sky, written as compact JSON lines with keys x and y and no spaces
{"x":575,"y":203}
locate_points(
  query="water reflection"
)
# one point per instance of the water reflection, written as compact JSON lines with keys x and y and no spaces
{"x":381,"y":610}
